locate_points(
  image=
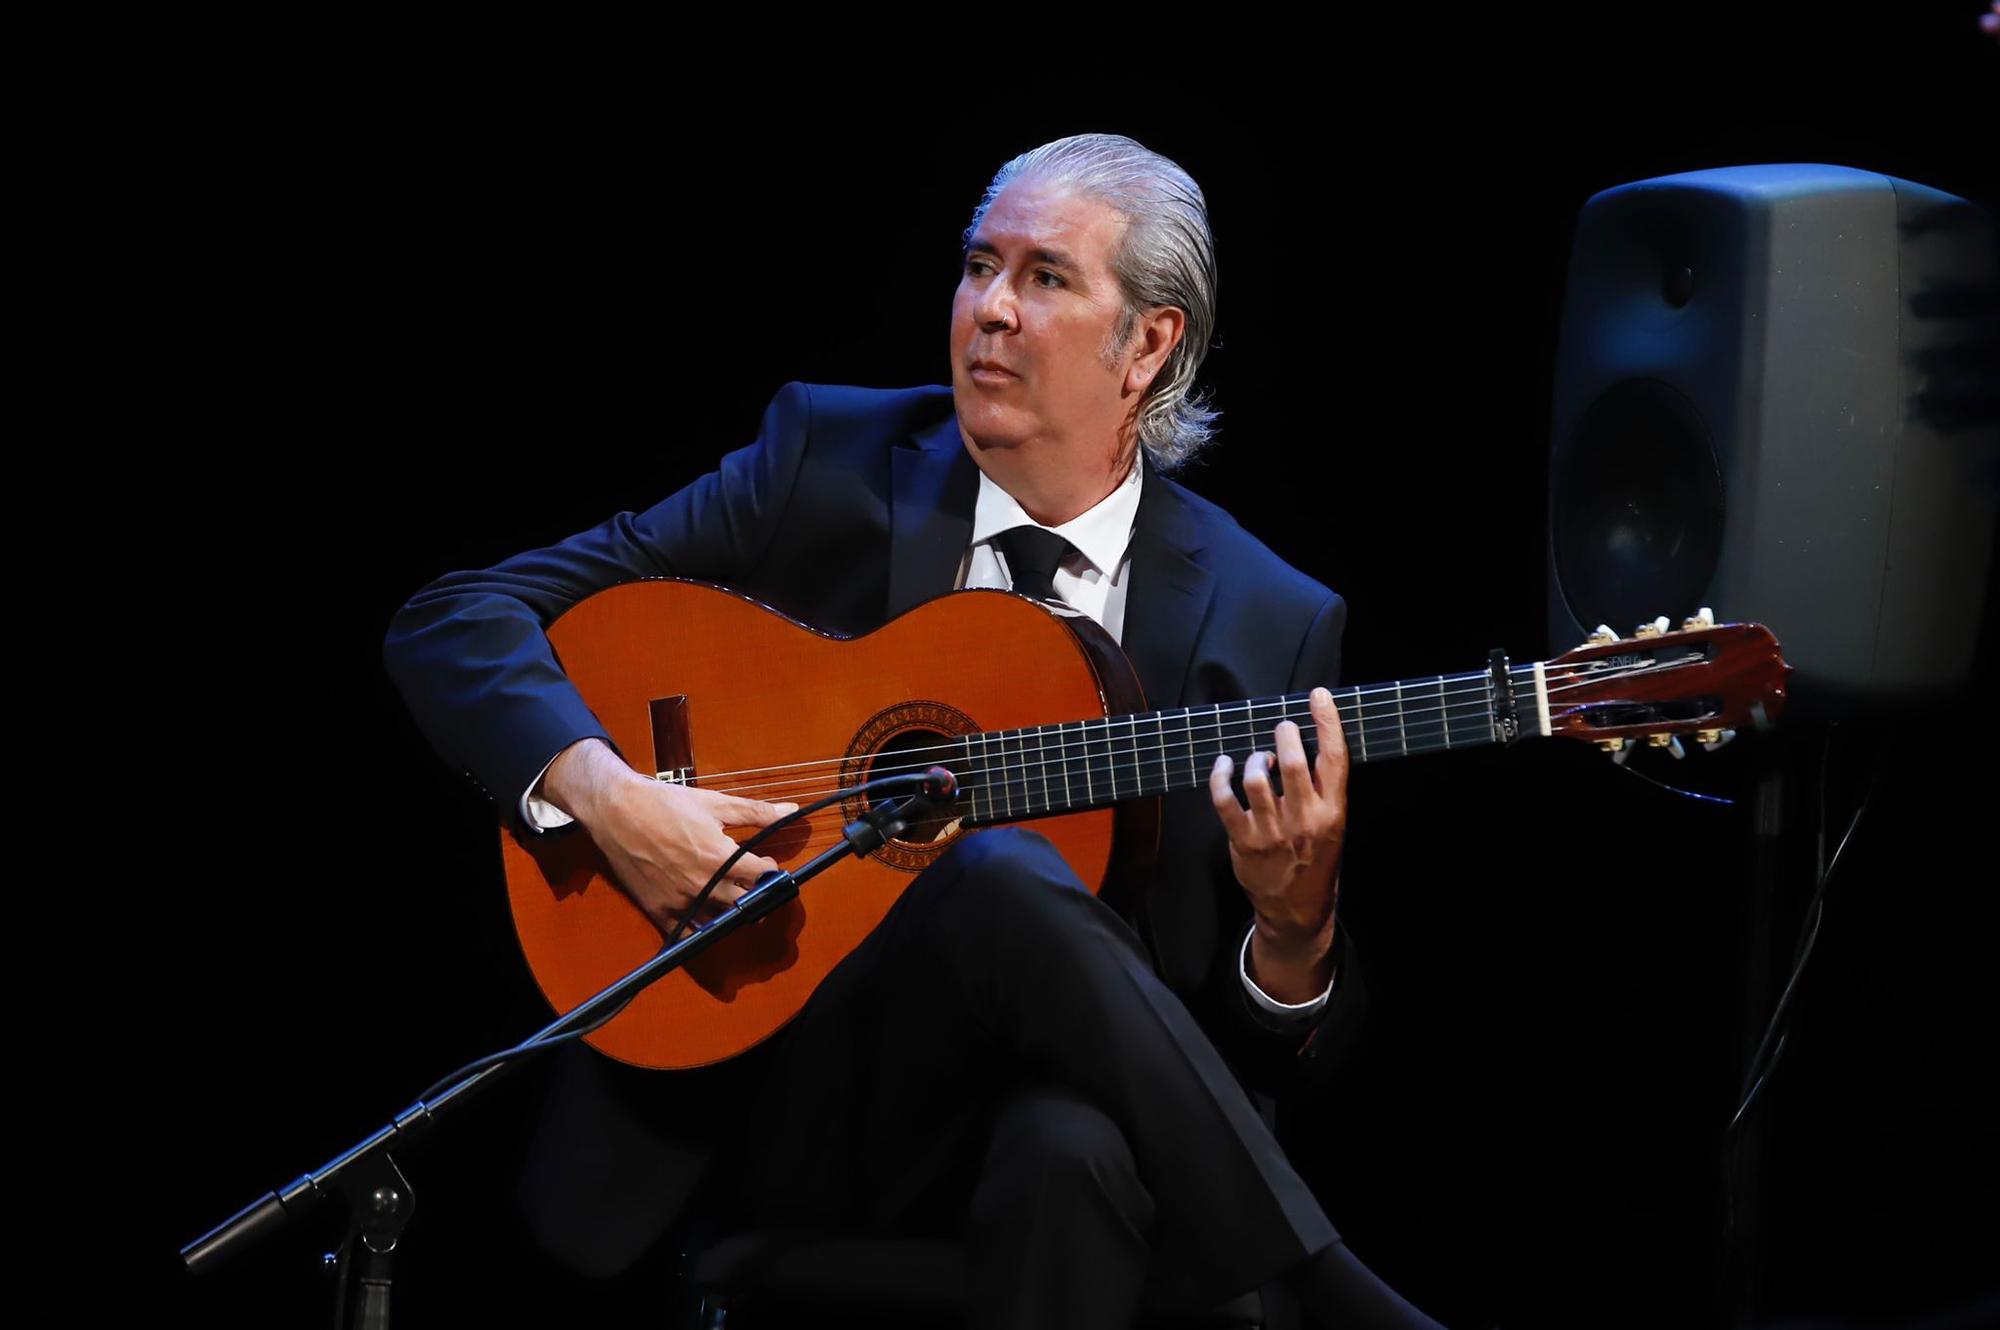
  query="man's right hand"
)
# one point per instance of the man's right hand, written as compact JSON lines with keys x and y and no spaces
{"x":663,"y":840}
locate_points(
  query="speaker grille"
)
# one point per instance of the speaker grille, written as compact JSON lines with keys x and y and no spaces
{"x":1637,"y":508}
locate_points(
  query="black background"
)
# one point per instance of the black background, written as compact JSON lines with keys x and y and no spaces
{"x":415,"y":312}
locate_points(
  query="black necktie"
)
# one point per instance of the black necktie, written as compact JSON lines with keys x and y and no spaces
{"x":1032,"y":555}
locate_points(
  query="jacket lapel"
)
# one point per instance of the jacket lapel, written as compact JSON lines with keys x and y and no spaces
{"x":1169,"y":594}
{"x":936,"y":486}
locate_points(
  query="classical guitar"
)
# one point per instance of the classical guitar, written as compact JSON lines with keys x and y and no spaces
{"x":1038,"y":715}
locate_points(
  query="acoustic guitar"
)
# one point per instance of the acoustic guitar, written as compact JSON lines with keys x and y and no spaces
{"x":1040,"y":718}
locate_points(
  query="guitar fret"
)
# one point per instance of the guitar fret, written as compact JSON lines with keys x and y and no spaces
{"x":1042,"y":769}
{"x":965,"y":781}
{"x":1010,"y":765}
{"x":1017,"y":768}
{"x":1160,"y":730}
{"x":1024,"y":763}
{"x":985,"y":777}
{"x":996,"y":774}
{"x":1360,"y":724}
{"x":1187,"y":722}
{"x":1069,"y":800}
{"x":1089,"y":793}
{"x":1117,"y":761}
{"x":1100,"y":747}
{"x":1132,"y":741}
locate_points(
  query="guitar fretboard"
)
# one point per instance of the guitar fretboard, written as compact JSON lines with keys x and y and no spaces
{"x":1044,"y":769}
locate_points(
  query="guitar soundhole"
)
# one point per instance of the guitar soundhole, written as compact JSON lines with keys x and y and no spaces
{"x":903,"y":740}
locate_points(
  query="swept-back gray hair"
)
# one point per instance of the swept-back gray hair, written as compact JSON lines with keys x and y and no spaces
{"x":1166,"y":257}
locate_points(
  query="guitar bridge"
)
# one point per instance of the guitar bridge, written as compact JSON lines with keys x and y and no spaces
{"x":673,"y":750}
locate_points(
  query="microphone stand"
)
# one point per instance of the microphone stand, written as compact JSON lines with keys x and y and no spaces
{"x":379,"y":1198}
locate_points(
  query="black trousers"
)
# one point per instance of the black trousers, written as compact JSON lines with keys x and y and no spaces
{"x":999,"y":1059}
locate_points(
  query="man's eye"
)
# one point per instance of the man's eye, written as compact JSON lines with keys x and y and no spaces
{"x":1047,"y":280}
{"x":977,"y":267}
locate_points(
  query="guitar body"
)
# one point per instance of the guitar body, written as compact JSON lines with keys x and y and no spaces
{"x":709,"y":688}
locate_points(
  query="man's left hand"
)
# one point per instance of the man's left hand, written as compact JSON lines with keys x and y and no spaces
{"x":1286,"y":850}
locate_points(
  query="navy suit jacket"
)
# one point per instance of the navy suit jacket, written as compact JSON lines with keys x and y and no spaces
{"x":852,"y":506}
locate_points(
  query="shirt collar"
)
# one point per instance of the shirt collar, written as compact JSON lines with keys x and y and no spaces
{"x":1100,"y":534}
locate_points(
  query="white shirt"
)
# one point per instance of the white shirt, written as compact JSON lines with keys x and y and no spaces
{"x":1093,"y":580}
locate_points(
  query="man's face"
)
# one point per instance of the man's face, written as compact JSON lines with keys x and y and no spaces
{"x":1034,"y":314}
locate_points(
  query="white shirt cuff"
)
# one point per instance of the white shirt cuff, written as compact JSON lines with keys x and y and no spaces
{"x":538,"y":812}
{"x":1295,"y":1010}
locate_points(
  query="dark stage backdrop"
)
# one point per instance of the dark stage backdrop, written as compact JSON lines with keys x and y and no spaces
{"x":415,"y":316}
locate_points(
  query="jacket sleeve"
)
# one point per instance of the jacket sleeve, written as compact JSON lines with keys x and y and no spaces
{"x":469,"y":652}
{"x":1275,"y":1054}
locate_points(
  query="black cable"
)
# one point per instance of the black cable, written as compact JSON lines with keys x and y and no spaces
{"x":1771,"y":1047}
{"x":1715,"y":799}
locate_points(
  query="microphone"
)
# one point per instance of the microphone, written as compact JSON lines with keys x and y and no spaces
{"x":867,"y":832}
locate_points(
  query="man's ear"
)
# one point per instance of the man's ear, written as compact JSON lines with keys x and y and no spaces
{"x":1159,"y":331}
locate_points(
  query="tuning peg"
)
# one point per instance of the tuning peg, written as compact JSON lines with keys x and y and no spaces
{"x":1601,"y":635}
{"x":1670,"y":742}
{"x":1612,"y":746}
{"x":1710,"y":740}
{"x":1653,"y":629}
{"x":1702,"y":618}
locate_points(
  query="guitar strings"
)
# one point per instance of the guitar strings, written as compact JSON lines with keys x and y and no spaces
{"x":1166,"y":741}
{"x":1210,"y":724}
{"x":1525,"y":674}
{"x":1165,"y":730}
{"x":1357,"y":708}
{"x":1028,"y":757}
{"x":1023,"y":767}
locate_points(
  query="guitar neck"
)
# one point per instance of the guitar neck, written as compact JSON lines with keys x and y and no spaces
{"x":1044,"y":769}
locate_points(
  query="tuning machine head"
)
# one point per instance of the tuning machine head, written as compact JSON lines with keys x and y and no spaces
{"x":1701,"y":618}
{"x":1670,"y":742}
{"x":1654,"y":629}
{"x":1601,"y":636}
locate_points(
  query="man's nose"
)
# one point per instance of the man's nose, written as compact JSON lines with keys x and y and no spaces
{"x":996,"y":310}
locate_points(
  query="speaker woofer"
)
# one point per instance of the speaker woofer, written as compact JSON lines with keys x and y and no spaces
{"x":1637,"y":506}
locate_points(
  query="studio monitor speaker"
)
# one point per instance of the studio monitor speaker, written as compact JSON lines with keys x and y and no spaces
{"x":1775,"y":397}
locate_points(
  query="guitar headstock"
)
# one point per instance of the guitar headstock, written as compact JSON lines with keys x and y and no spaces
{"x":1703,"y":678}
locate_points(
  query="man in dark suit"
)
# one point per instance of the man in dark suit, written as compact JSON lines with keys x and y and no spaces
{"x":1003,"y":1033}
